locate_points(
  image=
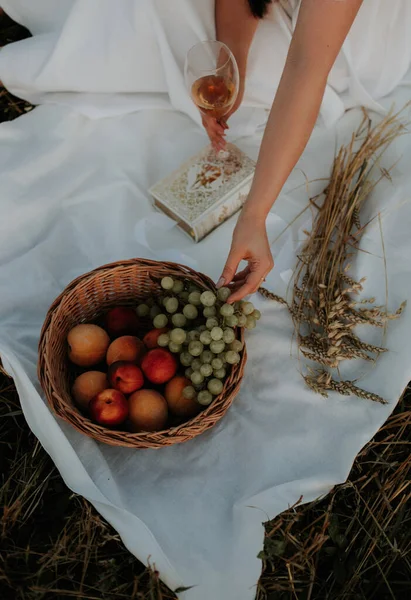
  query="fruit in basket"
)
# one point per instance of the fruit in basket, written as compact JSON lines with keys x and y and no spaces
{"x":151,"y":338}
{"x":178,"y":402}
{"x":148,"y":411}
{"x":87,"y":344}
{"x":109,"y":408}
{"x":126,"y":377}
{"x":159,"y":366}
{"x":121,"y":320}
{"x":128,"y":347}
{"x":87,"y":386}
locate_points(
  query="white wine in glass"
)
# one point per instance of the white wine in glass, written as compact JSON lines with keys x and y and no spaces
{"x":211,"y":76}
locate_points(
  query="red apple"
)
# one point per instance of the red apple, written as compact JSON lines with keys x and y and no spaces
{"x":126,"y":377}
{"x":109,"y":408}
{"x":159,"y":365}
{"x":151,"y":338}
{"x":121,"y":320}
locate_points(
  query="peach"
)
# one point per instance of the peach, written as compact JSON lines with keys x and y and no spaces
{"x":147,"y":411}
{"x":177,"y":403}
{"x":87,"y":344}
{"x":159,"y":365}
{"x":126,"y":377}
{"x":121,"y":320}
{"x":150,"y":339}
{"x":109,"y":408}
{"x":87,"y":385}
{"x":128,"y":348}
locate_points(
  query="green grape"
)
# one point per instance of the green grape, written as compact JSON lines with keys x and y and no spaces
{"x":233,"y":358}
{"x":175,"y":348}
{"x":236,"y":345}
{"x":184,"y":296}
{"x":163,"y":340}
{"x":220,"y":373}
{"x":227,"y":310}
{"x":197,"y":377}
{"x":167,"y":283}
{"x":232,"y":321}
{"x":256,"y":314}
{"x":178,"y":320}
{"x":215,"y":386}
{"x":142,"y":310}
{"x":196,"y":364}
{"x":206,"y":370}
{"x":190,"y":311}
{"x":221,"y":356}
{"x":242,"y":320}
{"x":208,"y":298}
{"x":247,"y":308}
{"x":217,"y":364}
{"x":205,"y":338}
{"x":172,"y":305}
{"x":204,"y":398}
{"x":223,"y":294}
{"x":178,"y":336}
{"x":163,"y":300}
{"x":251,"y":323}
{"x":217,"y":333}
{"x":202,"y":328}
{"x":217,"y":346}
{"x":185,"y":358}
{"x":178,"y":287}
{"x":211,"y":322}
{"x":193,"y":335}
{"x":195,"y":348}
{"x":209,"y":311}
{"x":194,"y":298}
{"x":188,"y":372}
{"x":207,"y":356}
{"x":154,"y":311}
{"x":189,"y":392}
{"x":160,"y":321}
{"x":193,"y":288}
{"x":228,"y":335}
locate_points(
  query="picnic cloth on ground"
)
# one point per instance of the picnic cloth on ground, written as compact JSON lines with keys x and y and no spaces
{"x":74,"y":174}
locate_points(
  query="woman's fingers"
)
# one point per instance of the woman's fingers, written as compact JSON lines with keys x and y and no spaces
{"x":216,"y":132}
{"x":250,"y":285}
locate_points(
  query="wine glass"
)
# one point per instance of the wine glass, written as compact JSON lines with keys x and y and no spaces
{"x":211,"y":76}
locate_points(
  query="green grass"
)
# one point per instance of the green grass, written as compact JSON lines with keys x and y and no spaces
{"x":355,"y":544}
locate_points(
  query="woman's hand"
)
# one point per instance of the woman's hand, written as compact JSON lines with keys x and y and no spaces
{"x":250,"y":243}
{"x":216,"y":130}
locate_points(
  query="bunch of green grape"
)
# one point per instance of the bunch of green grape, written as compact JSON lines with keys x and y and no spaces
{"x":201,"y":330}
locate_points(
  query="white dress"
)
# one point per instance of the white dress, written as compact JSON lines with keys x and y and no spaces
{"x":139,"y":47}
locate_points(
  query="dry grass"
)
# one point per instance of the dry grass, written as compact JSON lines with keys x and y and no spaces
{"x":354,"y":544}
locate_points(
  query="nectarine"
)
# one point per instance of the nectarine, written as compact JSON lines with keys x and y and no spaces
{"x":177,"y":403}
{"x":87,"y":385}
{"x":109,"y":408}
{"x":147,"y":411}
{"x":128,"y":348}
{"x":159,"y":365}
{"x":121,"y":320}
{"x":87,"y":344}
{"x":151,"y":338}
{"x":126,"y":377}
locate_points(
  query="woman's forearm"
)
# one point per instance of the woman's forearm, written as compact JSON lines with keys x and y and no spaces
{"x":235,"y":27}
{"x":289,"y":127}
{"x":321,"y":28}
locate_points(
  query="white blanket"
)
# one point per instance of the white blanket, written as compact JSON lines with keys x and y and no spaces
{"x":74,"y":175}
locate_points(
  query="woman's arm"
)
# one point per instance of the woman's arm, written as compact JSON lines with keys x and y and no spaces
{"x":235,"y":27}
{"x":320,"y":31}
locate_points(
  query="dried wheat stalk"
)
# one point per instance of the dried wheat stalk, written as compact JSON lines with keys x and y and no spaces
{"x":325,"y":307}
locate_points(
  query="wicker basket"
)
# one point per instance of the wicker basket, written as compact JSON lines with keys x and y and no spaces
{"x":85,"y":299}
